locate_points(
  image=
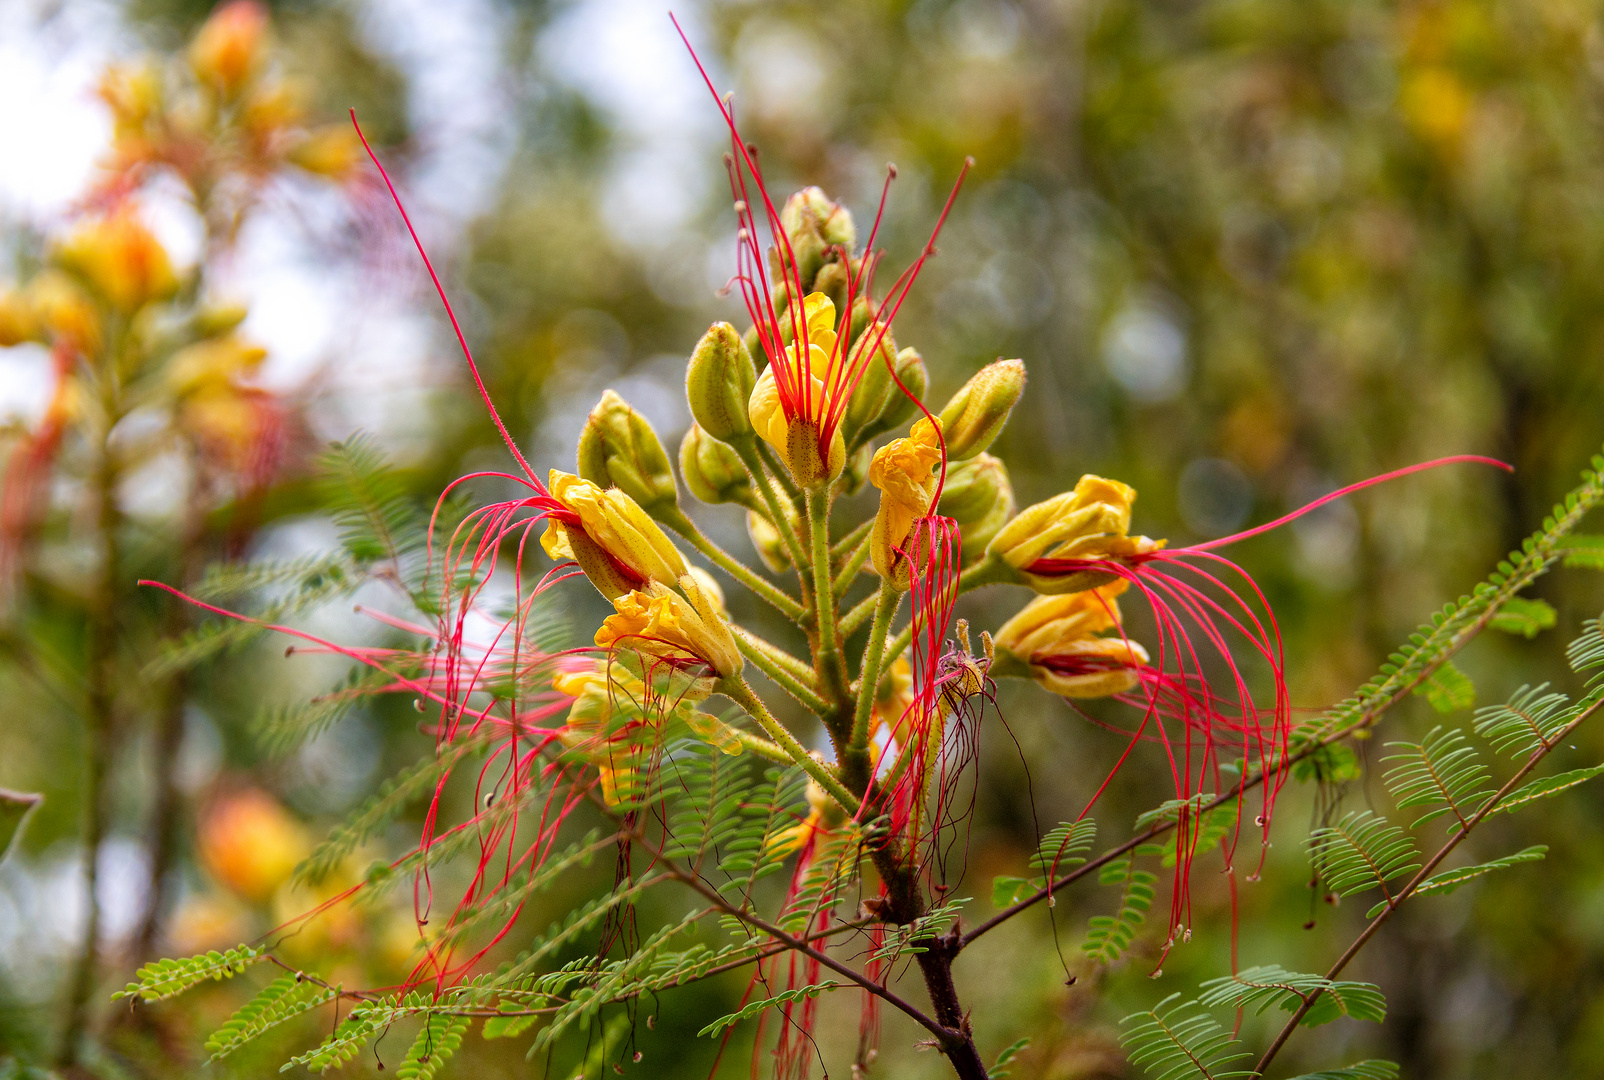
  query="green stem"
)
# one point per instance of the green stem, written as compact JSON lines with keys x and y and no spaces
{"x":748,"y":451}
{"x":831,"y":666}
{"x":849,"y":572}
{"x":781,"y":473}
{"x":786,"y":605}
{"x":857,"y":616}
{"x":988,"y":571}
{"x":736,"y":689}
{"x":769,"y":665}
{"x":851,"y":539}
{"x":762,"y":747}
{"x":885,"y":609}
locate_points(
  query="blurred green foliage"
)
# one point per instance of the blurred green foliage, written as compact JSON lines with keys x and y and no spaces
{"x":1250,"y":250}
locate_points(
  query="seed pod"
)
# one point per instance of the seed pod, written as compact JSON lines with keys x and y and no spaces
{"x":718,"y":383}
{"x":976,"y":414}
{"x":618,"y":448}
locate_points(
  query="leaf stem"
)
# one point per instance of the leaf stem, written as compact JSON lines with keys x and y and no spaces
{"x":765,"y":662}
{"x":736,"y":689}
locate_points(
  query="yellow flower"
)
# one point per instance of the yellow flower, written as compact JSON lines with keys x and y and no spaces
{"x":1046,"y":543}
{"x":213,"y":363}
{"x":904,"y":471}
{"x":250,"y":844}
{"x":660,"y":635}
{"x":122,"y":260}
{"x":1054,"y":640}
{"x":613,"y":540}
{"x":599,"y":726}
{"x":797,"y":437}
{"x":61,"y":309}
{"x":823,"y":815}
{"x":332,"y":151}
{"x":227,"y":49}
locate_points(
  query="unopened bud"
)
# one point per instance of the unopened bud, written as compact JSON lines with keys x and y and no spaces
{"x":227,"y":49}
{"x":718,"y":383}
{"x":980,"y":498}
{"x":215,"y":320}
{"x":874,"y":387}
{"x":815,"y":227}
{"x":857,"y":470}
{"x":713,"y":470}
{"x":767,"y":541}
{"x":976,"y":414}
{"x":331,"y":151}
{"x":899,"y":407}
{"x":618,"y":448}
{"x":17,"y":321}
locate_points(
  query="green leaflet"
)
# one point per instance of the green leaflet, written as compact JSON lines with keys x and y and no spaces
{"x":1373,"y":1069}
{"x":1448,"y":689}
{"x":1546,"y":787}
{"x":1526,"y":722}
{"x":801,"y":993}
{"x":1360,"y":852}
{"x":1448,"y":880}
{"x":1584,"y":552}
{"x":279,"y":1001}
{"x":1177,"y":1040}
{"x":1009,"y":1052}
{"x":1108,"y":936}
{"x":1333,"y":763}
{"x":345,"y":1043}
{"x":437,"y":1040}
{"x":1527,"y":618}
{"x":1271,"y":986}
{"x":1443,"y":772}
{"x":165,"y":978}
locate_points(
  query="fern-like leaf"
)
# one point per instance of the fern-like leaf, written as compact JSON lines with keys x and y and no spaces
{"x":1177,"y":1040}
{"x":165,"y":978}
{"x":1587,"y":651}
{"x":1545,"y":787}
{"x":343,"y":1044}
{"x":278,"y":1002}
{"x":368,"y":502}
{"x":1271,"y":986}
{"x":1531,"y":719}
{"x":1527,"y":618}
{"x":1442,"y":772}
{"x":1362,"y":851}
{"x":1441,"y":884}
{"x":1108,"y":936}
{"x":801,"y":993}
{"x":437,"y":1040}
{"x":1373,"y":1069}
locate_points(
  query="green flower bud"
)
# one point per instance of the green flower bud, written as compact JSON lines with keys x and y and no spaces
{"x":767,"y":541}
{"x":713,"y":470}
{"x":976,"y":414}
{"x":719,"y":381}
{"x":980,"y":498}
{"x":812,"y":211}
{"x":875,"y":388}
{"x":899,"y":408}
{"x":618,"y":448}
{"x":857,"y":470}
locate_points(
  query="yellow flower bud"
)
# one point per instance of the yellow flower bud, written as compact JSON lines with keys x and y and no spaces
{"x":63,"y":311}
{"x":272,"y":107}
{"x":619,"y":449}
{"x":679,"y":647}
{"x":612,"y":539}
{"x":215,"y":320}
{"x":713,"y":470}
{"x":17,"y":319}
{"x":797,"y":437}
{"x":767,"y":541}
{"x":122,"y":260}
{"x":719,"y":381}
{"x":333,"y":151}
{"x":1054,"y":641}
{"x":904,"y":471}
{"x":133,"y":92}
{"x":976,"y":414}
{"x":980,"y":498}
{"x":1089,"y":523}
{"x":227,"y":49}
{"x":210,"y":364}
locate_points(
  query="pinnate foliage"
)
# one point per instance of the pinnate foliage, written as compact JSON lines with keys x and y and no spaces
{"x":165,"y":978}
{"x":1178,"y":1040}
{"x":1271,"y":986}
{"x":1361,"y":851}
{"x":279,"y":1001}
{"x":1443,"y":773}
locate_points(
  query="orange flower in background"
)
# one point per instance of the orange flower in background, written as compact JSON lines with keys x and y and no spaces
{"x":249,"y":843}
{"x":227,"y":50}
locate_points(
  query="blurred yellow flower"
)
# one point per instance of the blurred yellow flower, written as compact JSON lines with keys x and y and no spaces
{"x":1437,"y":106}
{"x":1055,"y":638}
{"x":227,"y":50}
{"x":122,"y":260}
{"x":249,"y":843}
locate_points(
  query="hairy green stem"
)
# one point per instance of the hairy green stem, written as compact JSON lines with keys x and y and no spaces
{"x":851,"y":540}
{"x":748,"y":450}
{"x":852,"y":620}
{"x":766,"y":590}
{"x":854,"y":565}
{"x":764,"y":662}
{"x":827,"y":658}
{"x":885,"y":609}
{"x":736,"y":689}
